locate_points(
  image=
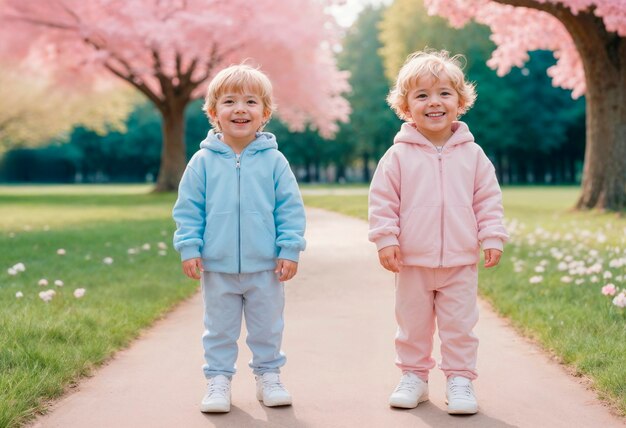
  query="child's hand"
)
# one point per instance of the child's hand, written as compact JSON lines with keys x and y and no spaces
{"x":193,"y":267}
{"x":390,"y":258}
{"x":492,"y":257}
{"x":286,"y":269}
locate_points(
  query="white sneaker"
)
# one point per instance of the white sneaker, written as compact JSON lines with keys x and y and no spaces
{"x":410,"y":392}
{"x":460,"y":396}
{"x":217,"y":397}
{"x":271,"y":391}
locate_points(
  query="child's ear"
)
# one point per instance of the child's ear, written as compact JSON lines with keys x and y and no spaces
{"x":461,"y":109}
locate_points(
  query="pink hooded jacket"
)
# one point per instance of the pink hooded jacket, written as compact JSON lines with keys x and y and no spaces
{"x":439,"y":208}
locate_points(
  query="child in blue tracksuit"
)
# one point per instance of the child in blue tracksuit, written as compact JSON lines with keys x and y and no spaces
{"x":240,"y":229}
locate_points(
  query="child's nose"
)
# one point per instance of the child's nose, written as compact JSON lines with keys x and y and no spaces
{"x":434,"y":100}
{"x":240,"y":107}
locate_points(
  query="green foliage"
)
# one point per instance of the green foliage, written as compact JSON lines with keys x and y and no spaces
{"x":372,"y":123}
{"x":34,"y":110}
{"x":133,"y":154}
{"x":307,"y":151}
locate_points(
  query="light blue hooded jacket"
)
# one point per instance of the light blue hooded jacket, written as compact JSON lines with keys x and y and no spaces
{"x":239,"y":216}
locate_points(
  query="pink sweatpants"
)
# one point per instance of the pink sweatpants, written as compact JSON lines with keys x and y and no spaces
{"x":449,"y":296}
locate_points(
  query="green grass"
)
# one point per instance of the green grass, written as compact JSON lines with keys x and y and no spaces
{"x":573,"y":321}
{"x":45,"y":347}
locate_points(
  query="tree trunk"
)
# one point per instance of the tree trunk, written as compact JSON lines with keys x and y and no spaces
{"x":173,"y":153}
{"x":366,"y":167}
{"x":603,"y":55}
{"x":604,"y":173}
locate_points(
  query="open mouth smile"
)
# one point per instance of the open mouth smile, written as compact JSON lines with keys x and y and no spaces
{"x":435,"y":114}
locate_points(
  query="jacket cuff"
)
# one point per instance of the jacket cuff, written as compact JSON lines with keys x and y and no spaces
{"x":190,"y":252}
{"x":386,"y":241}
{"x":289,"y":254}
{"x":493,"y":243}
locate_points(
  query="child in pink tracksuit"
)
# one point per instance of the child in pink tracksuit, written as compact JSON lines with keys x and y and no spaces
{"x":434,"y":201}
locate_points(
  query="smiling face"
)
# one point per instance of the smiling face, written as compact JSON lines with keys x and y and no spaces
{"x":433,"y":104}
{"x":239,"y":115}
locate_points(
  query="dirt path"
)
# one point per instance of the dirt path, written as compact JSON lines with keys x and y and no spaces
{"x":339,"y":344}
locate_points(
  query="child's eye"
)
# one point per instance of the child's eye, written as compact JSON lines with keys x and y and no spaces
{"x":445,"y":93}
{"x":228,"y":101}
{"x":252,"y":102}
{"x":420,"y":96}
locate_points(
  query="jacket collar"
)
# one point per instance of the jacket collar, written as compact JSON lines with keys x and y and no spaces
{"x":409,"y":134}
{"x":214,"y":142}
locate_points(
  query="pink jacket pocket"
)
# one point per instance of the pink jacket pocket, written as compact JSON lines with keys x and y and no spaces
{"x":461,"y":230}
{"x":420,"y":231}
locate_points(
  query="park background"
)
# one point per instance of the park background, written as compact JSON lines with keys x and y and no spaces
{"x":560,"y":282}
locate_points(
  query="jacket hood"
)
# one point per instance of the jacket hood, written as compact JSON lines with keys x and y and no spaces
{"x":409,"y":134}
{"x":214,"y":142}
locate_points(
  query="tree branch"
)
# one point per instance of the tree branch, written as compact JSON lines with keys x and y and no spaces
{"x":167,"y":86}
{"x":214,"y":59}
{"x":530,"y":4}
{"x":43,"y":23}
{"x":137,"y":83}
{"x":69,"y":11}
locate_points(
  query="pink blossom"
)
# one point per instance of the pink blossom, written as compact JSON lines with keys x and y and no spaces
{"x":42,"y":282}
{"x":620,"y":300}
{"x":107,"y":260}
{"x":61,"y":252}
{"x":58,"y":283}
{"x":47,"y":295}
{"x":79,"y":292}
{"x":536,"y":279}
{"x":609,"y":290}
{"x":19,"y":295}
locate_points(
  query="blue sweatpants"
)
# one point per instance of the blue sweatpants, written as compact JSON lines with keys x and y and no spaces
{"x":260,"y":298}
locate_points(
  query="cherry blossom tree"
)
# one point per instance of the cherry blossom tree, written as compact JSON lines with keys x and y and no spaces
{"x":588,"y":40}
{"x":169,"y":50}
